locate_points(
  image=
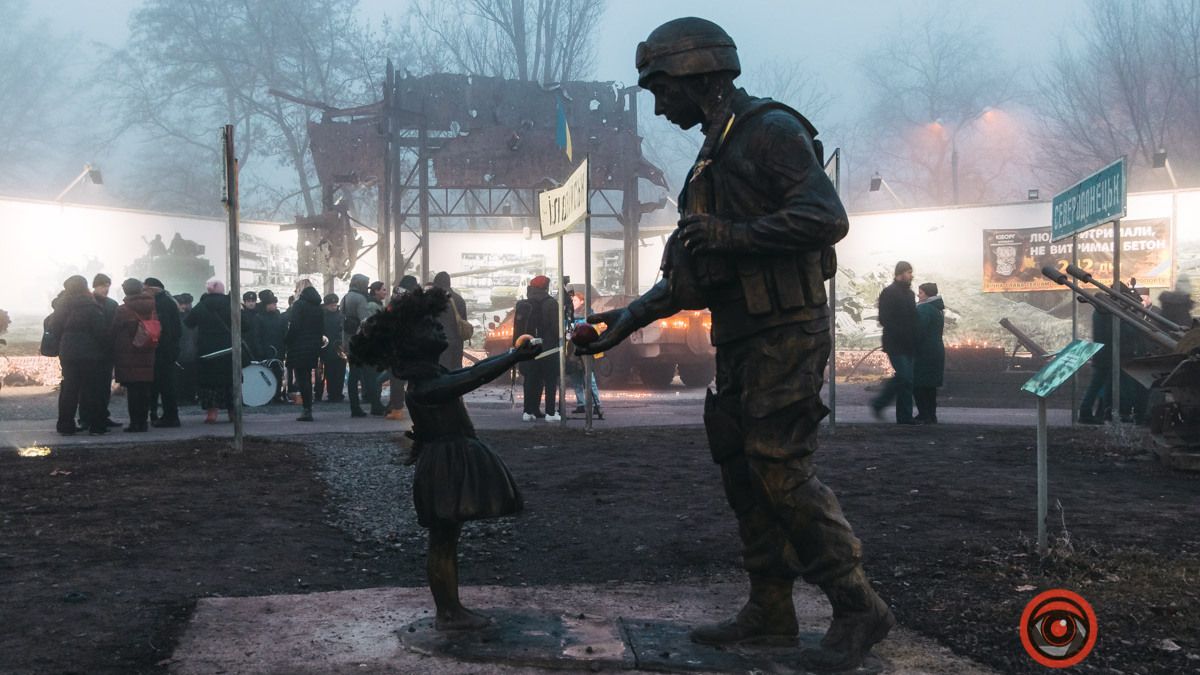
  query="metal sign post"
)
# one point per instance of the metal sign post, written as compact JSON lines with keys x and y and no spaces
{"x":833,"y":169}
{"x":1044,"y":383}
{"x":1116,"y":328}
{"x":560,"y":209}
{"x":562,"y":336}
{"x":588,"y":401}
{"x":230,"y":197}
{"x":1100,"y":198}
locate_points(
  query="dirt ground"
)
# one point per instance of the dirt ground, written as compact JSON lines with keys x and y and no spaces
{"x":106,"y":550}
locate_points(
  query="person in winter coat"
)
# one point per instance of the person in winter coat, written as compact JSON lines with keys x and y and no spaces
{"x":214,"y":377}
{"x":78,"y":324}
{"x":333,"y":354}
{"x":101,"y":284}
{"x":134,"y":363}
{"x":898,"y":316}
{"x":356,"y":307}
{"x":306,"y":327}
{"x":930,"y":358}
{"x":185,"y":388}
{"x":453,"y":356}
{"x":165,"y":354}
{"x":537,"y":315}
{"x":395,"y":405}
{"x":271,"y":326}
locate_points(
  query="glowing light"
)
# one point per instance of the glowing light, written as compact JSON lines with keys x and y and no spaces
{"x":34,"y":451}
{"x":679,"y":323}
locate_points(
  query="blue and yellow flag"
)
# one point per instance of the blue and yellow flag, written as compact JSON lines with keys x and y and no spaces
{"x":563,"y":132}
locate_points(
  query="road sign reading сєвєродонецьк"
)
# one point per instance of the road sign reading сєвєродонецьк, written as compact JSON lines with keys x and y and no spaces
{"x":1096,"y":199}
{"x":563,"y":206}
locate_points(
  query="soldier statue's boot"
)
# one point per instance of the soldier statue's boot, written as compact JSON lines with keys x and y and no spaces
{"x":861,"y":619}
{"x":769,"y":617}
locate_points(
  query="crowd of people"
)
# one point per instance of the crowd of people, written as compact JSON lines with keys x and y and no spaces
{"x":170,"y":350}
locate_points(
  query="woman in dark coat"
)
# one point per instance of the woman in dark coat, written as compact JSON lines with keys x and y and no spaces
{"x":930,"y":359}
{"x":214,"y":377}
{"x":134,"y":364}
{"x":78,"y":323}
{"x":306,"y":328}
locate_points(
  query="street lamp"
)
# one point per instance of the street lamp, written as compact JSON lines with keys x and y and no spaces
{"x":1160,"y":161}
{"x":988,"y":113}
{"x":89,"y":172}
{"x":877,"y":182}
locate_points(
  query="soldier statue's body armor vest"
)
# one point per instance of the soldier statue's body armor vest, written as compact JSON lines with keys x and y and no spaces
{"x":746,"y":292}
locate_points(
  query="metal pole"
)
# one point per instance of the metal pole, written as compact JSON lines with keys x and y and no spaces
{"x":1075,"y":333}
{"x":235,"y":287}
{"x":1116,"y":327}
{"x":423,"y":196}
{"x":954,"y":164}
{"x":385,"y":253}
{"x":1042,"y":479}
{"x":562,"y":335}
{"x":633,"y":212}
{"x":588,"y":401}
{"x":837,"y":187}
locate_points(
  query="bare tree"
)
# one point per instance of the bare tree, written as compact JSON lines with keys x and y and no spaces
{"x":540,"y":40}
{"x":35,"y":82}
{"x":194,"y":65}
{"x":1131,"y":88}
{"x":932,"y":81}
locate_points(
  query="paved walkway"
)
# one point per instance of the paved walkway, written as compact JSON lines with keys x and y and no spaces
{"x":594,"y":627}
{"x":487,"y":415}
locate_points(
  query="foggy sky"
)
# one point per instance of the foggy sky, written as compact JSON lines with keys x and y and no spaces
{"x":830,"y":37}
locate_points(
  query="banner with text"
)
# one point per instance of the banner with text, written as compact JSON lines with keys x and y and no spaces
{"x":563,"y":206}
{"x":1013,"y":259}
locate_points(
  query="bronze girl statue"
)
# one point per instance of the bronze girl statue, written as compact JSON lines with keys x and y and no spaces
{"x":457,"y":477}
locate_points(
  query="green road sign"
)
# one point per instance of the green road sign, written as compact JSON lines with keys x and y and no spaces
{"x":1068,"y":360}
{"x":1097,"y":199}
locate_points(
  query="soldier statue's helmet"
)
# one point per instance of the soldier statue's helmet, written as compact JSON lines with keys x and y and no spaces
{"x":687,"y":46}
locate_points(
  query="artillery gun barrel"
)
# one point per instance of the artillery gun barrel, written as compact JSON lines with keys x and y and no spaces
{"x":1025,"y":341}
{"x":1113,"y":307}
{"x":1129,"y":303}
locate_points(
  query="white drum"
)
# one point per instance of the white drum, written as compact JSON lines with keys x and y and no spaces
{"x":258,"y":385}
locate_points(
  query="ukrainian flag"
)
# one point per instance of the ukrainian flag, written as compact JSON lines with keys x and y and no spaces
{"x":563,"y":132}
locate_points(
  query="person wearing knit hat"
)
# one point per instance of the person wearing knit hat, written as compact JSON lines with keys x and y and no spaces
{"x":101,"y":283}
{"x":929,"y":362}
{"x":81,"y":333}
{"x":272,"y":327}
{"x":165,"y":355}
{"x":898,"y":316}
{"x":332,"y":378}
{"x":134,"y":358}
{"x":537,"y":315}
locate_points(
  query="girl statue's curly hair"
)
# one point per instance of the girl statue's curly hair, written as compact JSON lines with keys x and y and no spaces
{"x":385,"y":339}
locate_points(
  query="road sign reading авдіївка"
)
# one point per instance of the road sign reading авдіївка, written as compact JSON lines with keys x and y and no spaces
{"x":1096,"y":199}
{"x":1068,"y":360}
{"x":563,"y":206}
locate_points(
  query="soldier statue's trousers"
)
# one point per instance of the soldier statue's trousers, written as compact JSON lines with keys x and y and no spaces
{"x":762,"y":426}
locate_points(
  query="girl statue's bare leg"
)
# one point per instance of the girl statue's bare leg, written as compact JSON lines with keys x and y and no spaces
{"x":442,"y":569}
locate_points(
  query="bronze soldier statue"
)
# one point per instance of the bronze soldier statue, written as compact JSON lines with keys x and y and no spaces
{"x":759,"y":218}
